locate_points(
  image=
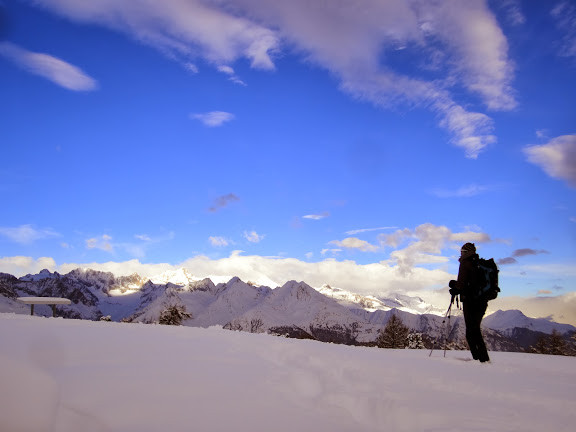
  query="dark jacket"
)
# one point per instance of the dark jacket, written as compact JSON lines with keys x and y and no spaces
{"x":467,"y":282}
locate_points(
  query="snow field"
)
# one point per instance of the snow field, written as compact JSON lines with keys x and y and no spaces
{"x":68,"y":375}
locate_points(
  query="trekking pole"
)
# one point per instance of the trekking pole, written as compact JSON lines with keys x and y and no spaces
{"x":443,"y":321}
{"x":448,"y":333}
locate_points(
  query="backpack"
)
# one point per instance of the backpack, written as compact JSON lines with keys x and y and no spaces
{"x":487,"y":279}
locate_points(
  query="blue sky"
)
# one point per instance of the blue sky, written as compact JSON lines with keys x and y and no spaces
{"x":356,"y":143}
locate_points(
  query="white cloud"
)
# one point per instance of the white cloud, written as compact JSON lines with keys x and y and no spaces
{"x":396,"y":238}
{"x":27,"y":234}
{"x":218,"y":241}
{"x":213,"y":118}
{"x":253,"y":236}
{"x":22,"y":265}
{"x":470,"y":236}
{"x":369,"y":278}
{"x":121,"y":268}
{"x":102,"y":242}
{"x":363,"y":230}
{"x":327,"y":251}
{"x":182,"y":29}
{"x":191,"y":67}
{"x":462,"y":192}
{"x":513,"y":11}
{"x":425,"y":244}
{"x":353,"y":39}
{"x":471,"y":131}
{"x":479,"y":49}
{"x":557,"y":157}
{"x":53,"y":69}
{"x":565,"y":15}
{"x":355,"y":243}
{"x":228,"y":70}
{"x":316,"y":216}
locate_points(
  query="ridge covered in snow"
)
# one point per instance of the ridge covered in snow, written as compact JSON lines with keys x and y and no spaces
{"x":506,"y":321}
{"x":414,"y":305}
{"x":180,"y":276}
{"x":294,"y":309}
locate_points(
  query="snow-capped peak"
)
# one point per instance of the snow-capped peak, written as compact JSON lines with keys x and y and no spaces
{"x":180,"y":277}
{"x":44,"y":274}
{"x":413,"y":305}
{"x":510,"y":319}
{"x":299,"y":291}
{"x":346,"y":298}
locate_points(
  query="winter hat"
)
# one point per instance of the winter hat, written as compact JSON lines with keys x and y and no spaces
{"x":467,"y":250}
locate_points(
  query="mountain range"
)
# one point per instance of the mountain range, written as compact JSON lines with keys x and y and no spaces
{"x":294,"y":309}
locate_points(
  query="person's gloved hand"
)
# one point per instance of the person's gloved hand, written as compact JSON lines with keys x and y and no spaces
{"x":454,"y":291}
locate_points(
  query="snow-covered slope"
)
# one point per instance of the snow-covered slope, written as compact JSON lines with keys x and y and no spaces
{"x":230,"y":300}
{"x":68,"y":375}
{"x":506,"y":321}
{"x":296,"y":305}
{"x":413,"y":305}
{"x":177,"y":277}
{"x":349,"y":299}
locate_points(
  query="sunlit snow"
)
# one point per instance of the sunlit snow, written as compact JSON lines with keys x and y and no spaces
{"x":69,"y":375}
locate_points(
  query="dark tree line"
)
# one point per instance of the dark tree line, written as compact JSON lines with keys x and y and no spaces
{"x":395,"y":334}
{"x":555,"y":344}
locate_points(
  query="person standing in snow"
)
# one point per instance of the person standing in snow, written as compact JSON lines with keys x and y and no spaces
{"x":473,"y":306}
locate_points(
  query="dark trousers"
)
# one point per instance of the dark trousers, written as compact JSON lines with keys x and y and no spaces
{"x":473,"y":314}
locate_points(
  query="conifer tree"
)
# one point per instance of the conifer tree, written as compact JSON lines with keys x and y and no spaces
{"x":174,"y":315}
{"x":553,"y":344}
{"x":414,"y":341}
{"x":541,"y":346}
{"x":557,"y":344}
{"x":394,"y":335}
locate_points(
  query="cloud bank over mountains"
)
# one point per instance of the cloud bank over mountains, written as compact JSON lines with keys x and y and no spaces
{"x":368,"y":279}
